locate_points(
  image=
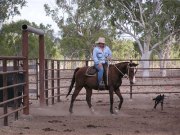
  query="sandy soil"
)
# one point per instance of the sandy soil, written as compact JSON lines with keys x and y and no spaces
{"x":137,"y":116}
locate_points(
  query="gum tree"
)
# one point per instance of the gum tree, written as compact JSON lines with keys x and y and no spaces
{"x":150,"y":22}
{"x":10,"y":8}
{"x":80,"y":24}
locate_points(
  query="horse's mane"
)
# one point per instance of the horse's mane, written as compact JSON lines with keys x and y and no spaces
{"x":122,"y":63}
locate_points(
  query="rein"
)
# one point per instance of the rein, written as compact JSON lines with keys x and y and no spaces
{"x":127,"y":76}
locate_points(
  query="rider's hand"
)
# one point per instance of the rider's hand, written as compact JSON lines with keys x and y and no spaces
{"x":99,"y":65}
{"x":108,"y":58}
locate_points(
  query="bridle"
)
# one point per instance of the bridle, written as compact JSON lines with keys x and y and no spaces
{"x":127,"y":76}
{"x":127,"y":70}
{"x":124,"y":75}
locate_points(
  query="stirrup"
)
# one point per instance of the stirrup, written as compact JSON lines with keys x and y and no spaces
{"x":101,"y":85}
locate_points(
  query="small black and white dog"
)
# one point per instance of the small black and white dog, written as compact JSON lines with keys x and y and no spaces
{"x":159,"y":99}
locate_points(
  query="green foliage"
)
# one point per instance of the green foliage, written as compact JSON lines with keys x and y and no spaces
{"x":124,"y":49}
{"x":10,"y":8}
{"x":72,"y":46}
{"x":11,"y":38}
{"x":148,"y":22}
{"x":81,"y":24}
{"x":175,"y":53}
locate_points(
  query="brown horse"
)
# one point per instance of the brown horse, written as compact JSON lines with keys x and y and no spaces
{"x":115,"y":75}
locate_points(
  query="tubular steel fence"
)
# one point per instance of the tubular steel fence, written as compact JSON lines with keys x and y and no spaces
{"x":58,"y":75}
{"x":14,"y":65}
{"x":12,"y":89}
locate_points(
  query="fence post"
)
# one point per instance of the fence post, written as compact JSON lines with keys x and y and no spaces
{"x":86,"y":62}
{"x":41,"y":69}
{"x":58,"y":81}
{"x":130,"y":91}
{"x":37,"y":79}
{"x":46,"y":81}
{"x":52,"y":80}
{"x":39,"y":32}
{"x":15,"y":80}
{"x":5,"y":97}
{"x":25,"y":67}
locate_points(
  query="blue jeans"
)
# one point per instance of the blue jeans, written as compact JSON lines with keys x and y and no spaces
{"x":100,"y":72}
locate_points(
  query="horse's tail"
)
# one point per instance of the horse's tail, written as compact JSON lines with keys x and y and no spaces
{"x":72,"y":82}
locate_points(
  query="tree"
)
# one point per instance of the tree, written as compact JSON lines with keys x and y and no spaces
{"x":144,"y":21}
{"x":80,"y":27}
{"x":151,"y":23}
{"x":11,"y":38}
{"x":124,"y":49}
{"x":10,"y":8}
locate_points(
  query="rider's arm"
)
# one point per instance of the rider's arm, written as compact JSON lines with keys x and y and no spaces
{"x":96,"y":61}
{"x":109,"y":53}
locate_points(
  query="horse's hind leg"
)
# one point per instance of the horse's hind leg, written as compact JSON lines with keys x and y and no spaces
{"x":118,"y":93}
{"x":111,"y":100}
{"x":88,"y":98}
{"x":73,"y":98}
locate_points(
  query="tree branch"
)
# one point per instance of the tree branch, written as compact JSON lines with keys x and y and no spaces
{"x":132,"y":15}
{"x":127,"y":31}
{"x":141,"y":14}
{"x":165,"y":39}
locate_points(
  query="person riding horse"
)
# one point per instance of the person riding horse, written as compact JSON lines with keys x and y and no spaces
{"x":117,"y":72}
{"x":101,"y":53}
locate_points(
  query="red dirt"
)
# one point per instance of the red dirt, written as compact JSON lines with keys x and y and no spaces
{"x":137,"y":116}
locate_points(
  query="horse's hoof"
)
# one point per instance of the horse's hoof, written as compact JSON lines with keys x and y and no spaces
{"x":111,"y":112}
{"x":114,"y":114}
{"x":92,"y":110}
{"x":116,"y":111}
{"x":70,"y":110}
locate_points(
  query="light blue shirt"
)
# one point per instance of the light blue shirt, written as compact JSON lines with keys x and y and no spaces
{"x":100,"y":56}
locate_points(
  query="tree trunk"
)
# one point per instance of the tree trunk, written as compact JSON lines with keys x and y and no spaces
{"x":145,"y":62}
{"x":146,"y":56}
{"x":162,"y":63}
{"x":165,"y":54}
{"x":1,"y":23}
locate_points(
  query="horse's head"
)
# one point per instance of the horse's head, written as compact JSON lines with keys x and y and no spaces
{"x":131,"y":71}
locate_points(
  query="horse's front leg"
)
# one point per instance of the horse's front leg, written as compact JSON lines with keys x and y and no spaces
{"x":111,"y":99}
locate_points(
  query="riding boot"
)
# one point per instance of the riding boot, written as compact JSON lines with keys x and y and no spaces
{"x":101,"y":85}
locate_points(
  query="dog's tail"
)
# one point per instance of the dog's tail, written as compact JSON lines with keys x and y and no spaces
{"x":72,"y":82}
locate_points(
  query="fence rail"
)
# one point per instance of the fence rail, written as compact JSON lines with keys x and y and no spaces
{"x":11,"y":72}
{"x":58,"y":74}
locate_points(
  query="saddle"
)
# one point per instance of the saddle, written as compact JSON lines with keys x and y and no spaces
{"x":91,"y":71}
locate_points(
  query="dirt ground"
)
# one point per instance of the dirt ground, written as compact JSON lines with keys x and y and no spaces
{"x":137,"y":116}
